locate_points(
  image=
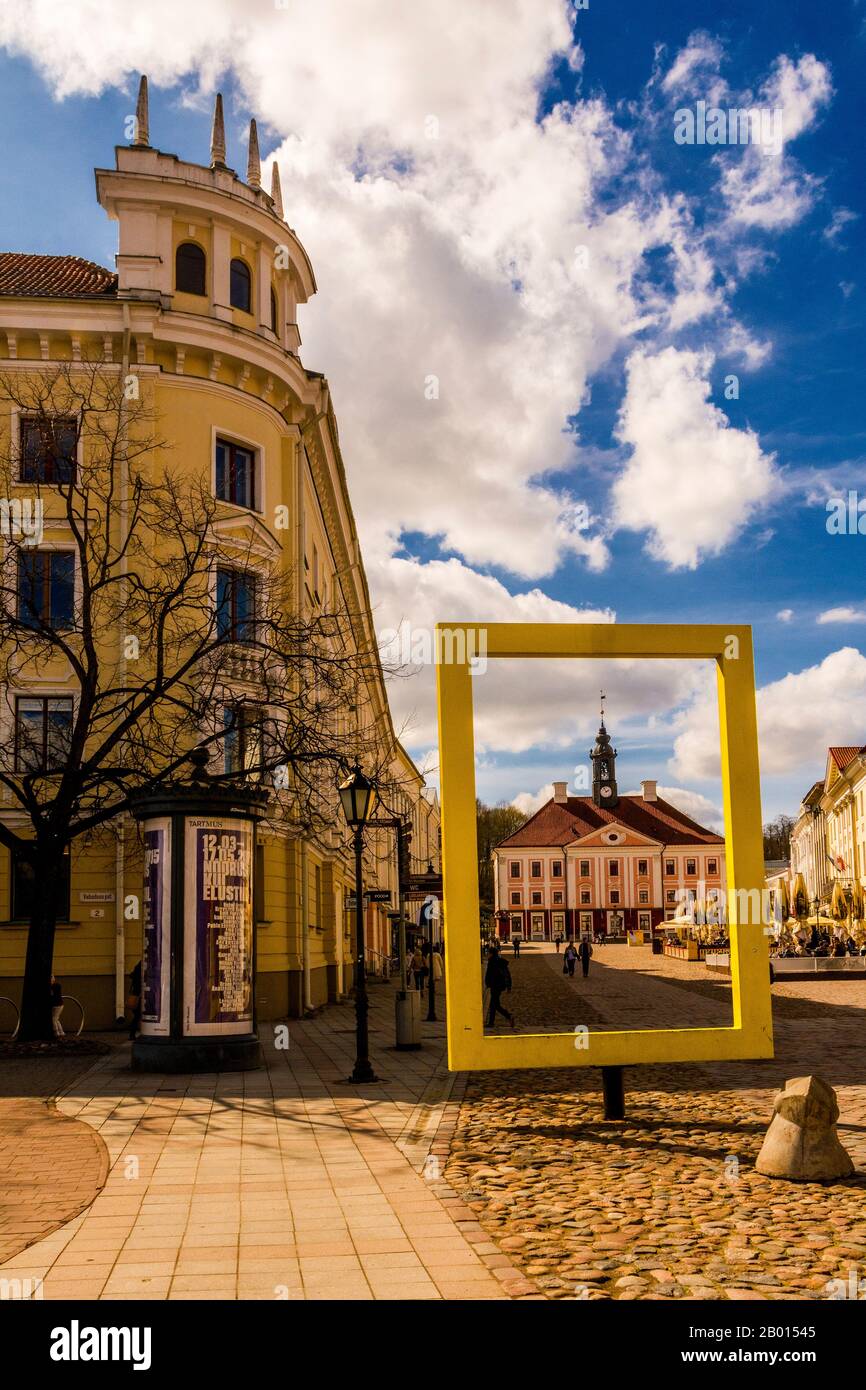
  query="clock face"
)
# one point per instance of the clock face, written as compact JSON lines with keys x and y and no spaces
{"x":605,"y":791}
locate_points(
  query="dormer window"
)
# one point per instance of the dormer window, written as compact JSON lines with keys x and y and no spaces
{"x":189,"y":269}
{"x":240,"y":288}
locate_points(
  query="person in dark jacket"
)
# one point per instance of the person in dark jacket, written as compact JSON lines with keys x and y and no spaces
{"x":135,"y":1000}
{"x":585,"y":953}
{"x":498,"y":980}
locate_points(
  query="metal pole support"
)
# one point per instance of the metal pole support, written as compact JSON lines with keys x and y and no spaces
{"x":614,"y":1094}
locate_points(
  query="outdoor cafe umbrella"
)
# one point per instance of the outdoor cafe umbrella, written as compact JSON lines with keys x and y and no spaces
{"x":839,"y":903}
{"x":799,"y":897}
{"x":857,"y":903}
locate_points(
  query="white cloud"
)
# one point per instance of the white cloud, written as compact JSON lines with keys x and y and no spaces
{"x":785,"y":615}
{"x":765,"y":187}
{"x":693,"y":481}
{"x":530,"y":802}
{"x":699,"y":60}
{"x":843,"y":614}
{"x":694,"y":804}
{"x":840,"y":219}
{"x":799,"y":717}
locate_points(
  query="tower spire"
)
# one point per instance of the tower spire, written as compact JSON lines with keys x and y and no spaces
{"x":276,"y":191}
{"x":142,"y":118}
{"x":254,"y":163}
{"x":218,"y":136}
{"x":603,"y":757}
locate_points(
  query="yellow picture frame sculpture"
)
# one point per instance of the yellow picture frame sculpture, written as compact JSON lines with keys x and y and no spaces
{"x":751,"y":1032}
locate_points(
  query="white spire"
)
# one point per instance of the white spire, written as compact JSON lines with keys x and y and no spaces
{"x":276,"y":191}
{"x":218,"y":135}
{"x":254,"y":164}
{"x":142,"y":121}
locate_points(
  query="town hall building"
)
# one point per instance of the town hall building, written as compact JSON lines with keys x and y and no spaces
{"x":603,"y":863}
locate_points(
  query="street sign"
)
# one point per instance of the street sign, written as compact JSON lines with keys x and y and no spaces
{"x":378,"y":895}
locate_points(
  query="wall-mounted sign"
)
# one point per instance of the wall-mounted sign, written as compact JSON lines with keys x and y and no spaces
{"x":218,"y":926}
{"x":156,"y":929}
{"x":378,"y":895}
{"x":91,"y":896}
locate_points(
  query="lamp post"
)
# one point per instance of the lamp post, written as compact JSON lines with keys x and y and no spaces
{"x":431,"y":985}
{"x":358,"y":797}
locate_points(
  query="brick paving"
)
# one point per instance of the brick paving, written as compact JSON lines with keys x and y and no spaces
{"x":284,"y":1183}
{"x":51,"y":1166}
{"x":666,"y":1204}
{"x":287,"y":1183}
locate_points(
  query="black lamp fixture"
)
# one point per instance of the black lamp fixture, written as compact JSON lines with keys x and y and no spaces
{"x":358,"y":797}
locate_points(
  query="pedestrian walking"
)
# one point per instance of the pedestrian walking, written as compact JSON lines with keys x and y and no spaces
{"x":416,"y":965}
{"x":498,"y":980}
{"x":515,"y":944}
{"x":558,"y":944}
{"x":570,"y":959}
{"x":585,"y":953}
{"x":133,"y":1000}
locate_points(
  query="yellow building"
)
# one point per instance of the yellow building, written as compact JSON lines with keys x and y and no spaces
{"x":200,"y":321}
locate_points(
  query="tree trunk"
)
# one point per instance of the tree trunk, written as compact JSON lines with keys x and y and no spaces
{"x":36,"y":1024}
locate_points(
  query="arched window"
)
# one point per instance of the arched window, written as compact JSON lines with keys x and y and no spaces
{"x":273,"y":311}
{"x":189,"y":269}
{"x":241,"y":285}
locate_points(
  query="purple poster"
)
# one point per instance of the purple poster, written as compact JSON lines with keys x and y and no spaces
{"x":156,"y":925}
{"x":218,"y":926}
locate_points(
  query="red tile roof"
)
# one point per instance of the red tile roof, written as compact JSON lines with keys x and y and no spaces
{"x":843,"y":757}
{"x":559,"y":823}
{"x":53,"y":277}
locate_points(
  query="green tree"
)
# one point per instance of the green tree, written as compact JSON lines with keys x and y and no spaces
{"x":494,"y":824}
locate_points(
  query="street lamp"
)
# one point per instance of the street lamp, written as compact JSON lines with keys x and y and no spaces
{"x":358,"y":797}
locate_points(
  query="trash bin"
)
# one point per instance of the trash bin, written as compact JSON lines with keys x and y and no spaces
{"x":408,"y":1010}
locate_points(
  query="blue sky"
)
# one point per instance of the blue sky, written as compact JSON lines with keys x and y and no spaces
{"x":779,"y":303}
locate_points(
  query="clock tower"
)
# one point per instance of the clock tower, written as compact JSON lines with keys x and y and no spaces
{"x":604,"y":792}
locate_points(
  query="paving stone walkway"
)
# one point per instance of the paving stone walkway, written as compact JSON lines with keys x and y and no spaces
{"x":283,"y":1183}
{"x":667,"y":1204}
{"x":51,"y":1166}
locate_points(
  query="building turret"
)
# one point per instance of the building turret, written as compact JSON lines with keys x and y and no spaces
{"x":603,"y":756}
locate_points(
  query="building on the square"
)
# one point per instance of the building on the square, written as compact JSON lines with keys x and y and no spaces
{"x":603,"y":863}
{"x":202,"y":312}
{"x":828,"y":841}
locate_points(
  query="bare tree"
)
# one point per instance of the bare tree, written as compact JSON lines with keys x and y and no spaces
{"x":167,"y":625}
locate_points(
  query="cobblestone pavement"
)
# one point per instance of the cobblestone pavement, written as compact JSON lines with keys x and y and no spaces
{"x":666,"y":1204}
{"x":51,"y":1167}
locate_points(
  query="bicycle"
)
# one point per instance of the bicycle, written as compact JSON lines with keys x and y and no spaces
{"x":67,"y":999}
{"x":11,"y":1002}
